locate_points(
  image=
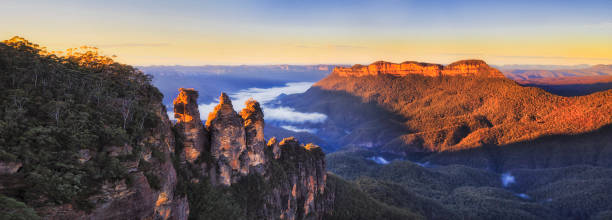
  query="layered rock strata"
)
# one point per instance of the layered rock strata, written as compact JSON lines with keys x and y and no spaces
{"x":460,"y":68}
{"x":254,"y":127}
{"x":228,"y":141}
{"x":188,"y":121}
{"x":294,"y":175}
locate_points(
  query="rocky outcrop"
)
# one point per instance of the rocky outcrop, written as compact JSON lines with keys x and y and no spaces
{"x":460,"y":68}
{"x":228,"y":141}
{"x":254,"y":127}
{"x":471,"y":68}
{"x":300,"y":185}
{"x":188,"y":121}
{"x":294,"y":175}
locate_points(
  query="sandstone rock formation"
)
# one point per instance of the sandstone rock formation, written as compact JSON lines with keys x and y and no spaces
{"x":228,"y":141}
{"x":254,"y":126}
{"x":471,"y":68}
{"x":188,"y":120}
{"x":459,"y":68}
{"x":467,"y":107}
{"x":305,"y":183}
{"x":294,"y":174}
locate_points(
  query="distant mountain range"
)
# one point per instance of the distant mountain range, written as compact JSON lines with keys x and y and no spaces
{"x":566,"y":81}
{"x":528,"y":74}
{"x":211,"y":80}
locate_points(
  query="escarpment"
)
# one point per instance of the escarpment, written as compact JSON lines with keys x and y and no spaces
{"x":460,"y":68}
{"x":287,"y":178}
{"x":416,"y":108}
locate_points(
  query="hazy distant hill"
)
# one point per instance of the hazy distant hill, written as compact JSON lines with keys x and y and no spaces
{"x":525,"y":74}
{"x":563,"y":80}
{"x":211,"y":80}
{"x":571,"y":85}
{"x":507,"y":67}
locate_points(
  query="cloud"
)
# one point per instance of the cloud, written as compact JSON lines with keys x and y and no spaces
{"x":507,"y":179}
{"x":426,"y":164}
{"x":379,"y":160}
{"x":523,"y":195}
{"x":207,"y":108}
{"x":171,"y":116}
{"x":287,"y":114}
{"x":296,"y":129}
{"x":264,"y":96}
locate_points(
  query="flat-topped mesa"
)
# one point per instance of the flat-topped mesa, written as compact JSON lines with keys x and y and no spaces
{"x":228,"y":141}
{"x":254,"y":126}
{"x":382,"y":67}
{"x":188,"y":120}
{"x":459,"y":68}
{"x":471,"y":68}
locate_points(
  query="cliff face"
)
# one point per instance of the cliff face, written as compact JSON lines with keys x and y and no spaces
{"x":138,"y":199}
{"x":415,"y":114}
{"x":187,"y":115}
{"x":298,"y":176}
{"x":254,"y":128}
{"x":293,"y":174}
{"x":228,"y":142}
{"x":459,"y":68}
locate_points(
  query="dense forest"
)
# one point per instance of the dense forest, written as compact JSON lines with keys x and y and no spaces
{"x":58,"y":107}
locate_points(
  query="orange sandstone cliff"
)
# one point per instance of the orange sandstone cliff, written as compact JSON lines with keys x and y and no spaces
{"x":460,"y":68}
{"x":231,"y":148}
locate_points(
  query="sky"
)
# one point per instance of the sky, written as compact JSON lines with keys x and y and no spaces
{"x":230,"y":32}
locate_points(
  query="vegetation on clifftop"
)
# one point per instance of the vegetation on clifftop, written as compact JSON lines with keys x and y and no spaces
{"x":61,"y":115}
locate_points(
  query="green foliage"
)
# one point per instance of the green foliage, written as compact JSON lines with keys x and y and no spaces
{"x":352,"y":203}
{"x":152,"y":178}
{"x":158,"y":154}
{"x":250,"y":192}
{"x":209,"y":202}
{"x":460,"y":192}
{"x":11,"y":209}
{"x":54,"y":106}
